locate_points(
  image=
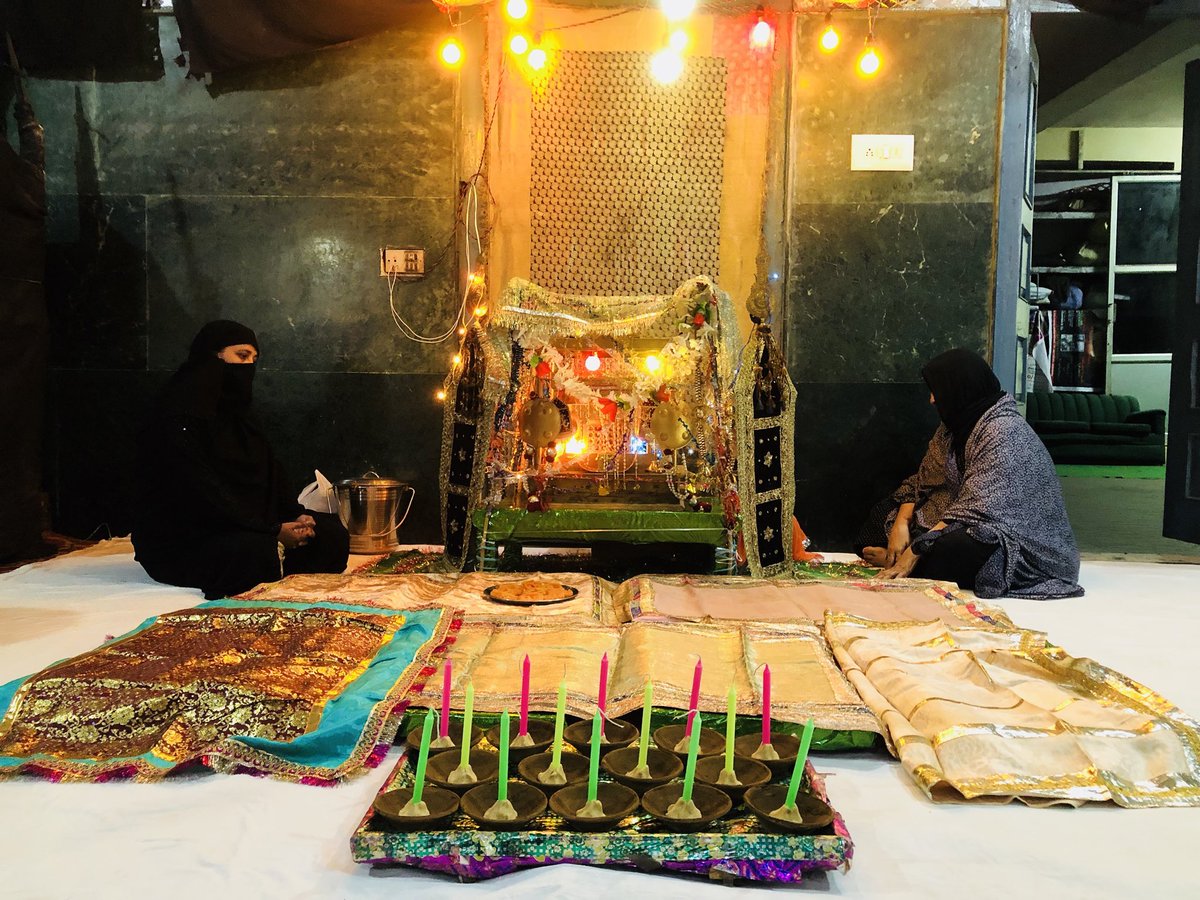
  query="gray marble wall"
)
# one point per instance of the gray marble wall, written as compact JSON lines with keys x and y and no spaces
{"x":886,"y":269}
{"x":265,"y":200}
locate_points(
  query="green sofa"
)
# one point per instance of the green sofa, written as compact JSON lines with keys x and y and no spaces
{"x":1098,"y":429}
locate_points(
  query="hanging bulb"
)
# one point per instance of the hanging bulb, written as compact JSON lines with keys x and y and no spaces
{"x":536,"y":59}
{"x":762,"y":34}
{"x":869,"y":62}
{"x":677,"y":10}
{"x":653,"y":364}
{"x":829,"y":37}
{"x":679,"y":40}
{"x":518,"y":44}
{"x":480,"y":312}
{"x":451,"y":53}
{"x":462,"y":331}
{"x":439,"y":396}
{"x":458,"y":359}
{"x":516,"y":9}
{"x":666,"y":66}
{"x":591,"y":362}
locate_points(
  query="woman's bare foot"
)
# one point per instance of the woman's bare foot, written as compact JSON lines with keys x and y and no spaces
{"x":875,"y":556}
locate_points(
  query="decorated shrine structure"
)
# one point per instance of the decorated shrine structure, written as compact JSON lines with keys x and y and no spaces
{"x":576,"y":419}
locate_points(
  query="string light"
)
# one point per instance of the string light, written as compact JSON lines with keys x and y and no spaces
{"x":653,"y":364}
{"x":762,"y":34}
{"x":458,"y":359}
{"x":869,"y":62}
{"x":677,"y":10}
{"x":451,"y":53}
{"x":518,"y":44}
{"x":679,"y":40}
{"x":592,"y":362}
{"x":829,"y":37}
{"x":480,"y":312}
{"x":462,"y":332}
{"x":440,"y":396}
{"x":666,"y":66}
{"x":516,"y":10}
{"x":575,"y":445}
{"x":536,"y":59}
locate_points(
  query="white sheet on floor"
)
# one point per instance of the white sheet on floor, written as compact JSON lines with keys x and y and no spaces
{"x":239,"y":836}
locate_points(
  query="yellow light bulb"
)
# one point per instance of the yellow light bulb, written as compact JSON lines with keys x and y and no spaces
{"x":536,"y":59}
{"x":761,"y":35}
{"x":462,"y":331}
{"x":516,"y":9}
{"x":458,"y":359}
{"x":666,"y":66}
{"x":440,"y":396}
{"x":575,"y":445}
{"x":677,"y":10}
{"x":679,"y":40}
{"x":476,"y":279}
{"x":869,"y":62}
{"x":830,"y":39}
{"x":480,"y":311}
{"x":451,"y":53}
{"x":518,"y":44}
{"x":591,"y":362}
{"x":653,"y":364}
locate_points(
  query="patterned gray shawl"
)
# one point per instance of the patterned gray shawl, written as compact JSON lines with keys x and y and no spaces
{"x":1008,"y":494}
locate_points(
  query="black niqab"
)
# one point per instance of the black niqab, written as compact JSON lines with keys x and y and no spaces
{"x":964,"y":387}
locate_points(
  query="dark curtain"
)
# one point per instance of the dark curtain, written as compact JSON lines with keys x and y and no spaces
{"x":23,"y":335}
{"x":221,"y":35}
{"x":84,"y":40}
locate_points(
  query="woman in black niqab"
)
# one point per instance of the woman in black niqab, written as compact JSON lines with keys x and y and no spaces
{"x":214,"y":504}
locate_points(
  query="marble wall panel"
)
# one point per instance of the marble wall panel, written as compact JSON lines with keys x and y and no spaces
{"x":877,"y":289}
{"x":96,"y":281}
{"x":304,"y":273}
{"x":940,"y":82}
{"x":855,"y":443}
{"x":374,"y":117}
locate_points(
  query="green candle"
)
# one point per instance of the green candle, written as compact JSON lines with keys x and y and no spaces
{"x":594,"y":762}
{"x":647,"y":706}
{"x":422,"y":758}
{"x":689,"y":774}
{"x":798,"y":769}
{"x":556,"y":749}
{"x":465,"y":759}
{"x":730,"y":720}
{"x":502,"y":787}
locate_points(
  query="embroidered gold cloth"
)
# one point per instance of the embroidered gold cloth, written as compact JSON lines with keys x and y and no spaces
{"x":430,"y":590}
{"x":805,"y":679}
{"x":232,"y":684}
{"x":985,"y":713}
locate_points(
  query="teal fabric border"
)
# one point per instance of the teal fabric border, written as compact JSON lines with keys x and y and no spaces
{"x":342,"y":720}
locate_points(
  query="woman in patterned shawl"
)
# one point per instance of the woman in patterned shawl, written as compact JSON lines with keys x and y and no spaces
{"x":1003,"y":530}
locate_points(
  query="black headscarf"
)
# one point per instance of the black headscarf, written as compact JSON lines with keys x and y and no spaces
{"x":964,"y":387}
{"x":218,"y":393}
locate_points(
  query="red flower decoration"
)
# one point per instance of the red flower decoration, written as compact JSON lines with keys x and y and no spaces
{"x":662,"y":395}
{"x":698,"y":319}
{"x":609,"y":408}
{"x":542,"y":369}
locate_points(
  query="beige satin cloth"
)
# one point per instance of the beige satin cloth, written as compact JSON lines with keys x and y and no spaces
{"x":805,"y":680}
{"x":698,"y":598}
{"x":984,"y":713}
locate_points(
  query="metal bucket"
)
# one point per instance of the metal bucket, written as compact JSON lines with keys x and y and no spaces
{"x":368,"y":507}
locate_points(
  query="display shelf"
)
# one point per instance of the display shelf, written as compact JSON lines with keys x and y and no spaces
{"x":1066,"y":270}
{"x":1072,"y":214}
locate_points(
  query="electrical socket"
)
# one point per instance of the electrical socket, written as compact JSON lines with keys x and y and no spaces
{"x":402,"y":262}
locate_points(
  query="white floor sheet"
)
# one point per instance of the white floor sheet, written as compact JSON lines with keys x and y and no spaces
{"x":220,"y":836}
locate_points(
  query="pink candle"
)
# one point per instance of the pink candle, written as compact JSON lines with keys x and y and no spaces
{"x":444,"y":727}
{"x":766,"y":706}
{"x":695,"y":702}
{"x":603,"y":696}
{"x":524,"y":729}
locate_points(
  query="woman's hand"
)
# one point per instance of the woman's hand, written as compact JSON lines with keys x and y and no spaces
{"x":902,"y":567}
{"x":296,"y":534}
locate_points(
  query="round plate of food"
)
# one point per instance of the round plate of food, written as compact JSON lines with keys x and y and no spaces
{"x":531,"y":592}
